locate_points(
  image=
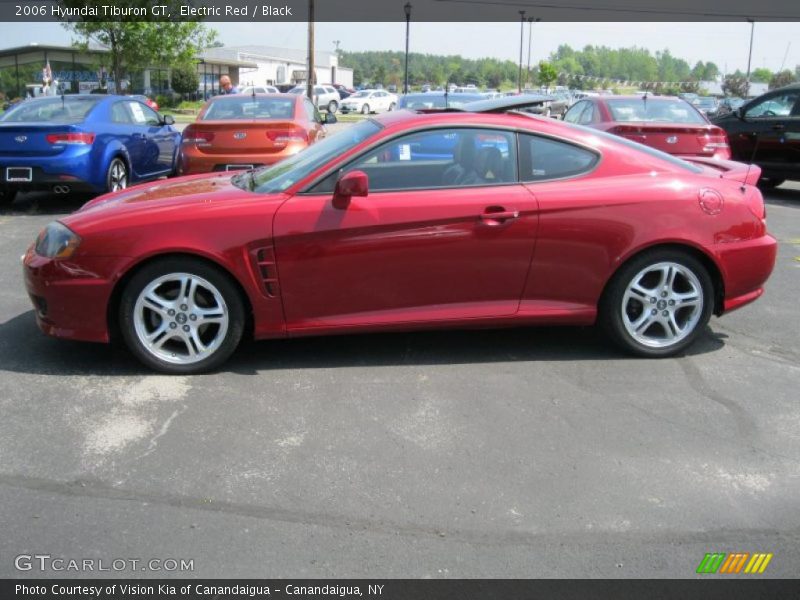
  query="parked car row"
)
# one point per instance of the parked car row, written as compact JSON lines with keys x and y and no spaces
{"x":94,"y":144}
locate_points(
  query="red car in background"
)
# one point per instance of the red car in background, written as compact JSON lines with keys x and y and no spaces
{"x":147,"y":100}
{"x":235,"y":132}
{"x":668,"y":124}
{"x":476,"y":217}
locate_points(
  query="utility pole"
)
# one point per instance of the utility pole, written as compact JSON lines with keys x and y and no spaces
{"x":521,"y":40}
{"x":407,"y":9}
{"x":750,"y":54}
{"x":310,"y":74}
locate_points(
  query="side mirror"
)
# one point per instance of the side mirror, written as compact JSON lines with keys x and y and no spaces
{"x":168,"y":120}
{"x":330,"y":118}
{"x":354,"y":183}
{"x":740,"y":113}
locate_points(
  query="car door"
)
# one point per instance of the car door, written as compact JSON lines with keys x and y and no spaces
{"x":768,"y":132}
{"x":423,"y":246}
{"x":154,"y":141}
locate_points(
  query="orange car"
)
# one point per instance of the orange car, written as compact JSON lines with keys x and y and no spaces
{"x":241,"y":132}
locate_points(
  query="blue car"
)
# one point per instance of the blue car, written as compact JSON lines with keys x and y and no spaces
{"x":83,"y":143}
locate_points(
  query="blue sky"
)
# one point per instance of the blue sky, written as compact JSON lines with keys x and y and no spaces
{"x":722,"y":43}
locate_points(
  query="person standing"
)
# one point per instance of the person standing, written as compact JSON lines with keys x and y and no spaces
{"x":225,"y":85}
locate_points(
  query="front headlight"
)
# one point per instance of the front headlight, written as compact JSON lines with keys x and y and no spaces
{"x":57,"y":241}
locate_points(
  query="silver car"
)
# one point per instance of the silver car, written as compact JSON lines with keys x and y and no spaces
{"x":325,"y":96}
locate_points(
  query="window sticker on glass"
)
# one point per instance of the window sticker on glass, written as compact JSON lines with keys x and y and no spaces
{"x":138,"y":113}
{"x":405,"y":151}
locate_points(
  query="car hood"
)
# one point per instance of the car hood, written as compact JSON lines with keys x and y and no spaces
{"x":183,"y":190}
{"x":160,"y":200}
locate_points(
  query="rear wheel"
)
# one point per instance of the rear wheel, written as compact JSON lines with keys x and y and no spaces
{"x":769,"y":183}
{"x":181,"y":316}
{"x":365,"y":109}
{"x":117,"y":175}
{"x":658,"y":303}
{"x":333,"y":106}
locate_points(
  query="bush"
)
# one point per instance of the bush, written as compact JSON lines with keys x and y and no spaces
{"x":185,"y":79}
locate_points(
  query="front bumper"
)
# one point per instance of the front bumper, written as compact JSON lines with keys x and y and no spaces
{"x":70,"y":298}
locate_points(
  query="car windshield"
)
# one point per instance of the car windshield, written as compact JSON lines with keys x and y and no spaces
{"x":246,"y":107}
{"x":658,"y":111}
{"x":361,"y":95}
{"x":281,"y":175}
{"x":297,"y":90}
{"x":57,"y":109}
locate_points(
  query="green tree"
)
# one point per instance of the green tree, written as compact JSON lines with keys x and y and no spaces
{"x":735,"y":85}
{"x":781,"y":79}
{"x":135,"y":45}
{"x":185,"y":79}
{"x":761,"y":75}
{"x":547,"y":73}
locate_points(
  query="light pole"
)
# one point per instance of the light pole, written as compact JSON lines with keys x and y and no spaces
{"x":750,"y":54}
{"x":407,"y":9}
{"x":521,"y":37}
{"x":531,"y":22}
{"x":311,"y":66}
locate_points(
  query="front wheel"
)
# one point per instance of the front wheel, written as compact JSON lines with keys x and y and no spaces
{"x":365,"y":109}
{"x":333,"y":106}
{"x":181,"y":316}
{"x":117,"y":176}
{"x":658,"y":303}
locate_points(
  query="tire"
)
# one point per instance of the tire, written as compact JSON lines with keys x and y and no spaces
{"x":769,"y":183}
{"x":181,"y":315}
{"x":392,"y":106}
{"x":333,"y":106}
{"x":117,"y":175}
{"x":365,"y":109}
{"x":658,"y":303}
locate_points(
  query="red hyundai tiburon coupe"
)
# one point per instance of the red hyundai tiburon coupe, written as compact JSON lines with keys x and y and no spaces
{"x":477,"y":217}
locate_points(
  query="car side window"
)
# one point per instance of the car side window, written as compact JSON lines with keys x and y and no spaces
{"x":319,"y":91}
{"x":437,"y":158}
{"x":587,"y":116}
{"x":143,"y":115}
{"x":120,"y":114}
{"x":574,"y":113}
{"x":778,"y":105}
{"x":544,"y":158}
{"x":311,"y":111}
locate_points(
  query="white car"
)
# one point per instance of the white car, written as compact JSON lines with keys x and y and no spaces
{"x":258,"y":89}
{"x":369,"y":101}
{"x":325,"y":96}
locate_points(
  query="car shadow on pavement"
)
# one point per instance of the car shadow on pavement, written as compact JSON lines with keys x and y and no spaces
{"x":23,"y":349}
{"x":43,"y":203}
{"x":782,"y":196}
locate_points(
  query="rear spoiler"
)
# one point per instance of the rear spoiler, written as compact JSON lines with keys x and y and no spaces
{"x":729,"y":169}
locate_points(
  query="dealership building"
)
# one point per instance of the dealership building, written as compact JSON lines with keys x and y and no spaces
{"x":79,"y":71}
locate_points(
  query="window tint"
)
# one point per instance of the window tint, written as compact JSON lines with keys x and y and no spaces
{"x":779,"y":105}
{"x":544,"y":158}
{"x":439,"y":158}
{"x":59,"y":109}
{"x":225,"y":108}
{"x":655,"y":110}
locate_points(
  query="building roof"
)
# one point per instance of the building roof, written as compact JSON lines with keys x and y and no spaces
{"x":250,"y":53}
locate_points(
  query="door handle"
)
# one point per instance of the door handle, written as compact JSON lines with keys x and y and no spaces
{"x":494,"y":216}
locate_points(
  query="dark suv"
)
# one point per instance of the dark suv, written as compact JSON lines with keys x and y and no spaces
{"x":766,"y":131}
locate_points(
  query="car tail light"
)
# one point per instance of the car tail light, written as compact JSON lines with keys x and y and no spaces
{"x":200,"y":138}
{"x":287,"y":136}
{"x":716,"y":142}
{"x":86,"y":139}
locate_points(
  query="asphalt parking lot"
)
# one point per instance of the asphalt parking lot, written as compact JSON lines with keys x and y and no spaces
{"x":515,"y":453}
